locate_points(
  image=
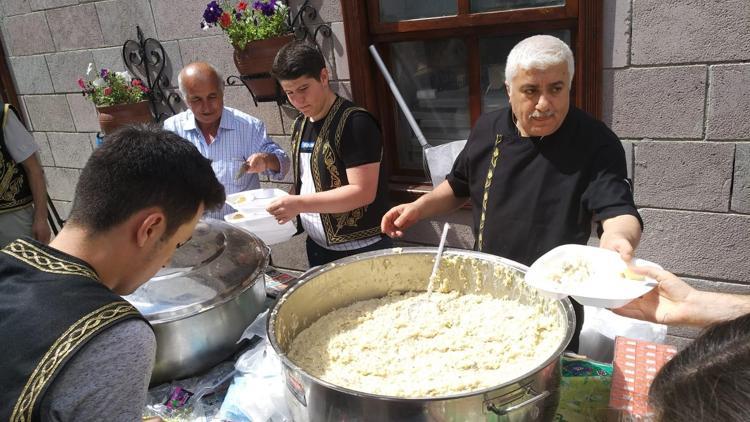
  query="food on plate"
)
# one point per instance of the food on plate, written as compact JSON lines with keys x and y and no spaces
{"x":430,"y":344}
{"x":630,"y":275}
{"x":240,"y":199}
{"x":237,"y":216}
{"x":569,"y":271}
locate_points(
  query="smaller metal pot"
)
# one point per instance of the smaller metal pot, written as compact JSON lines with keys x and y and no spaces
{"x":200,"y":305}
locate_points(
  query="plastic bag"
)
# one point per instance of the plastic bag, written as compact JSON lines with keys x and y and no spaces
{"x":257,"y":392}
{"x":601,"y":326}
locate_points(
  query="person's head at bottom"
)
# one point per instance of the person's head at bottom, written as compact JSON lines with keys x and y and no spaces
{"x":709,"y":380}
{"x":138,"y":199}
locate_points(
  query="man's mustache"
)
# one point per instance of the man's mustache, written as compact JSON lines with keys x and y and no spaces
{"x":538,"y":115}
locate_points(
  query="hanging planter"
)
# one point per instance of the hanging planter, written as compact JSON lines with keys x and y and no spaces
{"x":254,"y":65}
{"x":115,"y":116}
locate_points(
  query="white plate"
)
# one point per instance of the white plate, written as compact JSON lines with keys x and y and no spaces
{"x":254,"y":200}
{"x":603,"y":285}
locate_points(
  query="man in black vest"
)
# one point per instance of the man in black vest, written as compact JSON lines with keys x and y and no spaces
{"x":21,"y":182}
{"x":537,"y":173}
{"x":73,"y":349}
{"x":336,"y":153}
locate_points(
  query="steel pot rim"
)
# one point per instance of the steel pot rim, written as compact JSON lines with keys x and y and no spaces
{"x":565,"y":304}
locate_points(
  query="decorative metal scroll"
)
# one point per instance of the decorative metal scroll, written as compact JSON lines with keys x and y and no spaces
{"x":146,"y":60}
{"x":302,"y":31}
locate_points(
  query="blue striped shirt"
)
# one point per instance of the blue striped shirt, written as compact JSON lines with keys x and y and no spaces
{"x":240,"y":136}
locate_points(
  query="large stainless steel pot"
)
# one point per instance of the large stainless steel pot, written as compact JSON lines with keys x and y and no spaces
{"x":533,"y":396}
{"x":200,"y":305}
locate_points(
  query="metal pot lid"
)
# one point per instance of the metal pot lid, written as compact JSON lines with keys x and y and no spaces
{"x":216,"y":265}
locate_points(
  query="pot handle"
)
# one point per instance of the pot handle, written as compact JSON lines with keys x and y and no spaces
{"x":505,"y":410}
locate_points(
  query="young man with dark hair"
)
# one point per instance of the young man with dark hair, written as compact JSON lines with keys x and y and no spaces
{"x":74,"y":349}
{"x":336,"y":154}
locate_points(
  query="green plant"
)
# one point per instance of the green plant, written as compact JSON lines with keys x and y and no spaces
{"x":243,"y":24}
{"x":110,"y":88}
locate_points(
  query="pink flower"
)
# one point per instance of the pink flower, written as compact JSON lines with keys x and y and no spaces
{"x":107,"y":91}
{"x":81,"y":83}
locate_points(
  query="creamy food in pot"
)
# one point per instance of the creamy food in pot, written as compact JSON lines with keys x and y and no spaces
{"x":429,"y":344}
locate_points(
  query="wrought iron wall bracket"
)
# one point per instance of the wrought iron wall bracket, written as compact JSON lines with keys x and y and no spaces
{"x":146,"y":59}
{"x":278,"y":97}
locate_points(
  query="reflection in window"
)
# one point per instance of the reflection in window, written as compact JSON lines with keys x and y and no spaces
{"x":493,"y":5}
{"x":398,"y":10}
{"x":492,"y":54}
{"x":432,"y":78}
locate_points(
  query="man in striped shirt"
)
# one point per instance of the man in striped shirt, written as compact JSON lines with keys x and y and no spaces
{"x":228,"y":137}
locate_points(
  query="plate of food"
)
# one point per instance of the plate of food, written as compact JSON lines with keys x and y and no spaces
{"x":592,"y":276}
{"x":254,"y":200}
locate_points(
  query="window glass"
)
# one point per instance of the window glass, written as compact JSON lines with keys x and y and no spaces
{"x":433,"y":80}
{"x":398,"y":10}
{"x":494,"y":5}
{"x":492,"y":54}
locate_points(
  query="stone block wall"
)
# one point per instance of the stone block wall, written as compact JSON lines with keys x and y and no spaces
{"x":49,"y":44}
{"x":676,"y":86}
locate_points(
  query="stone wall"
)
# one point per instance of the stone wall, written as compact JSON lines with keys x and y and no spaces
{"x":676,"y":85}
{"x":50,"y":43}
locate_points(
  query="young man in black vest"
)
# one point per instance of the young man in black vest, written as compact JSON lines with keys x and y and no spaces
{"x":73,"y":348}
{"x":336,"y":154}
{"x":22,"y":182}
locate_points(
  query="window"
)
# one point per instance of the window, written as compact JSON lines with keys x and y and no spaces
{"x":447,"y":58}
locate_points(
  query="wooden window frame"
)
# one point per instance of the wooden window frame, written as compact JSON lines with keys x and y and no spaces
{"x":582,"y":17}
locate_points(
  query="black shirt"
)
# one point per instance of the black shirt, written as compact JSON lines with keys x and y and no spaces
{"x":544,"y":192}
{"x":361,"y":141}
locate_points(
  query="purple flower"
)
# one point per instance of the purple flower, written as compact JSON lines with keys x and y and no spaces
{"x":238,"y":15}
{"x":212,"y":13}
{"x":268,"y":7}
{"x":104,"y":73}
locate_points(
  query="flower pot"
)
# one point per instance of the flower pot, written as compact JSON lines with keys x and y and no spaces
{"x":112,"y":117}
{"x":254,"y":64}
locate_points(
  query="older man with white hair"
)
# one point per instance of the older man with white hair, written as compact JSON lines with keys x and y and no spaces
{"x":537,"y":173}
{"x":236,"y":142}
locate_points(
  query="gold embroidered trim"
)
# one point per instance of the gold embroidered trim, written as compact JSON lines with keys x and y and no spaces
{"x":41,"y":260}
{"x":11,"y":179}
{"x":66,"y":344}
{"x":487,"y":184}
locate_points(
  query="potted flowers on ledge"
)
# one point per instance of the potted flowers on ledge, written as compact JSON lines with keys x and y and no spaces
{"x":119,"y":98}
{"x":257,"y":32}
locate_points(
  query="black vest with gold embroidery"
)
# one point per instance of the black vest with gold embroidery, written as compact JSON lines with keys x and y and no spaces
{"x":51,"y":305}
{"x":329,"y":172}
{"x":15,"y":191}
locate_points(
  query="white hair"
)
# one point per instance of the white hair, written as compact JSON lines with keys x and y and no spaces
{"x":219,"y":79}
{"x":539,"y":52}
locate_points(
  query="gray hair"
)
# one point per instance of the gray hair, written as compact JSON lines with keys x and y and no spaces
{"x":217,"y":74}
{"x":539,"y":52}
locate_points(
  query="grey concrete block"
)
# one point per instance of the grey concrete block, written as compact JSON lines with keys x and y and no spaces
{"x":169,"y":27}
{"x":697,"y":244}
{"x":63,"y":208}
{"x":628,"y":147}
{"x":45,"y":153}
{"x":328,"y":10}
{"x":729,"y":85}
{"x":109,"y":58}
{"x":172,"y":62}
{"x":66,"y":68}
{"x":616,"y":33}
{"x":239,"y":97}
{"x":27,"y":34}
{"x":70,"y":149}
{"x":687,"y":31}
{"x":61,"y":182}
{"x":84,"y":113}
{"x":342,"y":88}
{"x":15,"y":7}
{"x":664,"y":102}
{"x":31,"y":75}
{"x":288,"y":115}
{"x":427,"y":232}
{"x":718,"y":286}
{"x":49,"y":113}
{"x":684,"y":175}
{"x":50,"y":4}
{"x":678,"y":342}
{"x":339,"y":51}
{"x":215,"y":50}
{"x":74,"y":28}
{"x":291,"y":254}
{"x":741,"y":183}
{"x":118,"y":19}
{"x":684,"y":332}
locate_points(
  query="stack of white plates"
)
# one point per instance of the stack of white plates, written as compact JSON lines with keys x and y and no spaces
{"x":252,"y":216}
